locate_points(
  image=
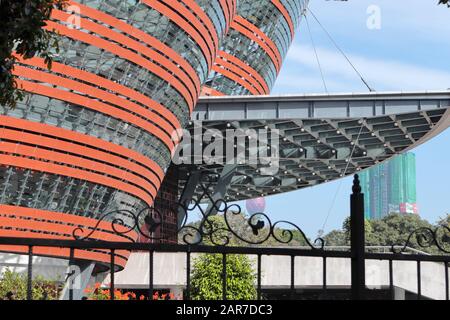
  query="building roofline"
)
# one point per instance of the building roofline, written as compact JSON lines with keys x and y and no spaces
{"x":330,"y":96}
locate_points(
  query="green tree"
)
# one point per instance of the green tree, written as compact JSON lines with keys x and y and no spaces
{"x":42,"y":289}
{"x":444,"y":221}
{"x":207,"y":278}
{"x":367,"y":228}
{"x":443,"y":234}
{"x":336,"y":238}
{"x":22,"y":33}
{"x":393,"y":229}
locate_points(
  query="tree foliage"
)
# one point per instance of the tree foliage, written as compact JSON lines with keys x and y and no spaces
{"x":394,"y":229}
{"x":445,"y":2}
{"x":207,"y":270}
{"x":22,"y":33}
{"x":16,"y":283}
{"x":336,"y":238}
{"x":207,"y":278}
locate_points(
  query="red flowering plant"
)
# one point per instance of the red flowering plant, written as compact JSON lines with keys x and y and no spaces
{"x":163,"y":296}
{"x":97,"y":293}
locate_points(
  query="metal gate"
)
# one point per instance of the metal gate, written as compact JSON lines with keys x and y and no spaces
{"x":208,"y":237}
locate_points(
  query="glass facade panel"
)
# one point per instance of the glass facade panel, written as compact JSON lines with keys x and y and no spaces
{"x":170,"y":78}
{"x":265,"y":16}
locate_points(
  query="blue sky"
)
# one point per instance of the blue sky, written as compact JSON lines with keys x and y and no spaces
{"x":411,"y":51}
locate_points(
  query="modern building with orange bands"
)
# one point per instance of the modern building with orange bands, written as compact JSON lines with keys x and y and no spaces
{"x":95,"y":133}
{"x":251,"y":55}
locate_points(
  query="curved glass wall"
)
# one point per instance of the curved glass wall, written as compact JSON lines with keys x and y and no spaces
{"x":94,"y":133}
{"x":259,"y":39}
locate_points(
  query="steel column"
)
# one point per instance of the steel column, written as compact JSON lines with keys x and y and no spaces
{"x":357,"y":241}
{"x":186,"y":195}
{"x":221,"y":188}
{"x":79,"y":274}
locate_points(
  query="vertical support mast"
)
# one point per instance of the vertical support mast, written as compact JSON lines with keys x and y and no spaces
{"x":357,"y":241}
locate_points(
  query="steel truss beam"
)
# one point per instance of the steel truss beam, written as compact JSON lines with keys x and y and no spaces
{"x":321,"y":137}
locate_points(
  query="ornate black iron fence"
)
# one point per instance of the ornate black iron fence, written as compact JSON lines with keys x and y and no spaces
{"x":218,"y":234}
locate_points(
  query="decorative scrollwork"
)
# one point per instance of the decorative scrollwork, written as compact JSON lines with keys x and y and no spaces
{"x":219,"y":224}
{"x":427,"y":238}
{"x":216,"y":225}
{"x":124,"y":223}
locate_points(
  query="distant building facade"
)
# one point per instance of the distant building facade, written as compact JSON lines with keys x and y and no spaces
{"x":390,"y":187}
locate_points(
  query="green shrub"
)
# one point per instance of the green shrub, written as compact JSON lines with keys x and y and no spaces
{"x":206,"y":279}
{"x":42,"y":289}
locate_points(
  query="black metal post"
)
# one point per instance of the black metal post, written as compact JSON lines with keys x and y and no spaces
{"x":150,"y":271}
{"x":419,"y":281}
{"x":111,"y":274}
{"x":324,"y":275}
{"x":224,"y":276}
{"x":357,"y":241}
{"x":30,"y":274}
{"x":188,"y":275}
{"x":71,"y":274}
{"x":259,"y":278}
{"x":391,"y":279}
{"x":447,"y":295}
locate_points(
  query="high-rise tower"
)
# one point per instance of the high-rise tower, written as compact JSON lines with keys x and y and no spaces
{"x":390,"y":187}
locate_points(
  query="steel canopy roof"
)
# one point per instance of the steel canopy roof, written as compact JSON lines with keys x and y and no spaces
{"x":311,"y":126}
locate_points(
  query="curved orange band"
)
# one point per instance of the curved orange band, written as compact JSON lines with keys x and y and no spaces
{"x":54,"y":227}
{"x":62,"y":170}
{"x":234,"y":12}
{"x":206,"y":21}
{"x":253,"y":33}
{"x":103,"y":256}
{"x":94,"y":105}
{"x":234,"y":77}
{"x":106,"y":84}
{"x":178,"y":17}
{"x":104,"y":228}
{"x":285,"y":13}
{"x":239,"y":75}
{"x":127,"y":42}
{"x":105,"y":96}
{"x":76,"y":137}
{"x":226,"y":6}
{"x":125,"y":54}
{"x":80,"y":163}
{"x":69,"y":147}
{"x":61,"y":221}
{"x":242,"y":65}
{"x":141,"y":35}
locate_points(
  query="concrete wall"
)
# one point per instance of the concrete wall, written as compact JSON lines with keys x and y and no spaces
{"x":49,"y":268}
{"x":170,"y":272}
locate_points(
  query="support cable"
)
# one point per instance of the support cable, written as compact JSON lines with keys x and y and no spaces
{"x":340,"y":50}
{"x":340,"y":183}
{"x":317,"y":56}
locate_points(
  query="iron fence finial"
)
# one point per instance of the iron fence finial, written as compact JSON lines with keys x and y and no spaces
{"x":356,"y":188}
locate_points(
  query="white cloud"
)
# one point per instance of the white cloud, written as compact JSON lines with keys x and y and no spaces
{"x":381,"y":74}
{"x":412,"y":18}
